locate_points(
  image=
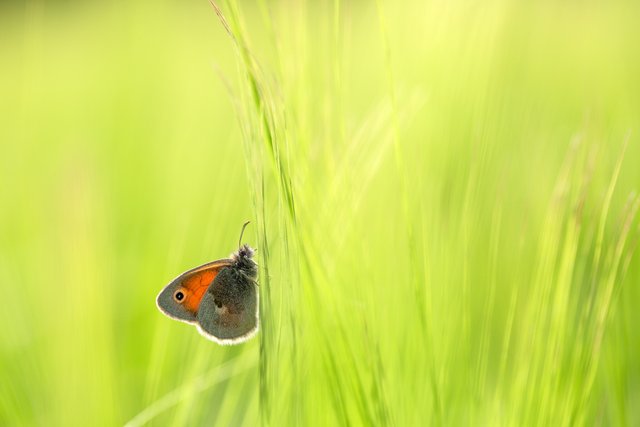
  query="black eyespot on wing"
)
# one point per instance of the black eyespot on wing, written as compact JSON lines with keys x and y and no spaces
{"x":179,"y":296}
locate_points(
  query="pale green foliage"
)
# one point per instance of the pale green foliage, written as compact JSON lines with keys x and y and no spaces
{"x":443,"y":197}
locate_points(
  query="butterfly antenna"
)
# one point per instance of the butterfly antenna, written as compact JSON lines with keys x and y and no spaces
{"x":242,"y":232}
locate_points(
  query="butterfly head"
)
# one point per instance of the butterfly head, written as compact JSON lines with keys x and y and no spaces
{"x":243,"y":261}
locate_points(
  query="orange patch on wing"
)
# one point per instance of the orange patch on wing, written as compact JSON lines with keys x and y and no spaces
{"x":196,"y":283}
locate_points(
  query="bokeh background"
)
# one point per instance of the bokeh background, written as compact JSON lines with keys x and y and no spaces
{"x":443,"y":195}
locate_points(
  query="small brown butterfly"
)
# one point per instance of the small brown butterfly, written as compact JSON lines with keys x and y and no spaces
{"x":219,"y":297}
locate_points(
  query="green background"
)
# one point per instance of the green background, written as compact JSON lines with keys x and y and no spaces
{"x":443,"y":195}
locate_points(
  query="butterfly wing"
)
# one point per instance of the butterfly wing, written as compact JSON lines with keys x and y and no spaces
{"x":181,"y":298}
{"x":228,"y":312}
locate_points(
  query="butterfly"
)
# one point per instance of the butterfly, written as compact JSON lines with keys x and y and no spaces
{"x":220,"y":297}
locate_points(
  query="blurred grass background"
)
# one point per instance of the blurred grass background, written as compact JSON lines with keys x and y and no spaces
{"x":441,"y":198}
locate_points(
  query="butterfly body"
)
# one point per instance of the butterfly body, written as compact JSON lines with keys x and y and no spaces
{"x":220,"y":298}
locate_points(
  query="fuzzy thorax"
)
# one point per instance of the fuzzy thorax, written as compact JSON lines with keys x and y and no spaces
{"x":244,"y":262}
